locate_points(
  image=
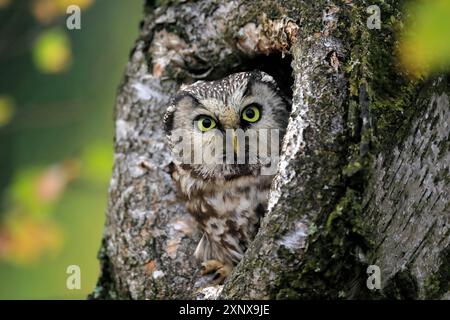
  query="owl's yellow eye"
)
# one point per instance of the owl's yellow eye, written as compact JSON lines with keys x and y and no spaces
{"x":251,"y":113}
{"x":205,"y":123}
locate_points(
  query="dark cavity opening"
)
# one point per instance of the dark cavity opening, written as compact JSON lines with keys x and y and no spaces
{"x":275,"y":64}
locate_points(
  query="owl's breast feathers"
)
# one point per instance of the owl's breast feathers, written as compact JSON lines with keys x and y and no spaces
{"x":227,"y":211}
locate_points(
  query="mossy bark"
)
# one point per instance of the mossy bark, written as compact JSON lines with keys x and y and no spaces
{"x":364,"y":173}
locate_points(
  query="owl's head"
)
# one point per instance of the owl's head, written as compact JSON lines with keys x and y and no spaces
{"x":220,"y":117}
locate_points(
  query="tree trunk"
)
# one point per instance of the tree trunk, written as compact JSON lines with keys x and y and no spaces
{"x":364,"y":171}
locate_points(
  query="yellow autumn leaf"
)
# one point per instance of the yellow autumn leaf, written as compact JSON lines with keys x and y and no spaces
{"x":4,"y":3}
{"x":24,"y":239}
{"x":52,"y":51}
{"x":83,"y":4}
{"x":52,"y":182}
{"x":424,"y":43}
{"x":45,"y":11}
{"x":6,"y":109}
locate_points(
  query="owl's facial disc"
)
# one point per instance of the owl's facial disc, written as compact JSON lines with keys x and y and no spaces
{"x":225,"y":112}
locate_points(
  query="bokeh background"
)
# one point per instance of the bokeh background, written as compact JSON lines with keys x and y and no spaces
{"x":57,"y":94}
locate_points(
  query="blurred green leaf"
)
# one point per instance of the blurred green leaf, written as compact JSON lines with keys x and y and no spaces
{"x":425,"y":45}
{"x":52,"y":51}
{"x":97,"y":162}
{"x":24,"y":191}
{"x":4,"y":3}
{"x":6,"y":109}
{"x":38,"y":189}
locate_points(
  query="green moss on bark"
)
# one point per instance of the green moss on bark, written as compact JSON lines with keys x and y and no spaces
{"x":330,"y":259}
{"x":439,"y":283}
{"x":380,"y":108}
{"x":105,"y":288}
{"x":403,"y":285}
{"x":374,"y":62}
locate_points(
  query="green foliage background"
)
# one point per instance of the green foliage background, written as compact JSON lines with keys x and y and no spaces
{"x":58,"y":118}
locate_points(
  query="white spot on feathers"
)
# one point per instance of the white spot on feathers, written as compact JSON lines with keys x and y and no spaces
{"x":267,"y":78}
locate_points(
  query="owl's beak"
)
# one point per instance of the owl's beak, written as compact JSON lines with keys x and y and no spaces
{"x":235,"y":143}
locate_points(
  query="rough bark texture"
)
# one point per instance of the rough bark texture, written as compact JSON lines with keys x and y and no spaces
{"x":364,"y":173}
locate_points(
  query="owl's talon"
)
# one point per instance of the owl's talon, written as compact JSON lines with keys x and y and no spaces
{"x":211,"y":266}
{"x":221,"y":270}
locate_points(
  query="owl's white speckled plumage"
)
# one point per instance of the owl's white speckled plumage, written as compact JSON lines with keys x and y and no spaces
{"x":227,"y":200}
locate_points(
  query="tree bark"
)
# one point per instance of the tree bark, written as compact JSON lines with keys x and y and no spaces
{"x":364,"y":171}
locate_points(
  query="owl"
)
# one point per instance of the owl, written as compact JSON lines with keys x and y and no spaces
{"x":228,"y":196}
